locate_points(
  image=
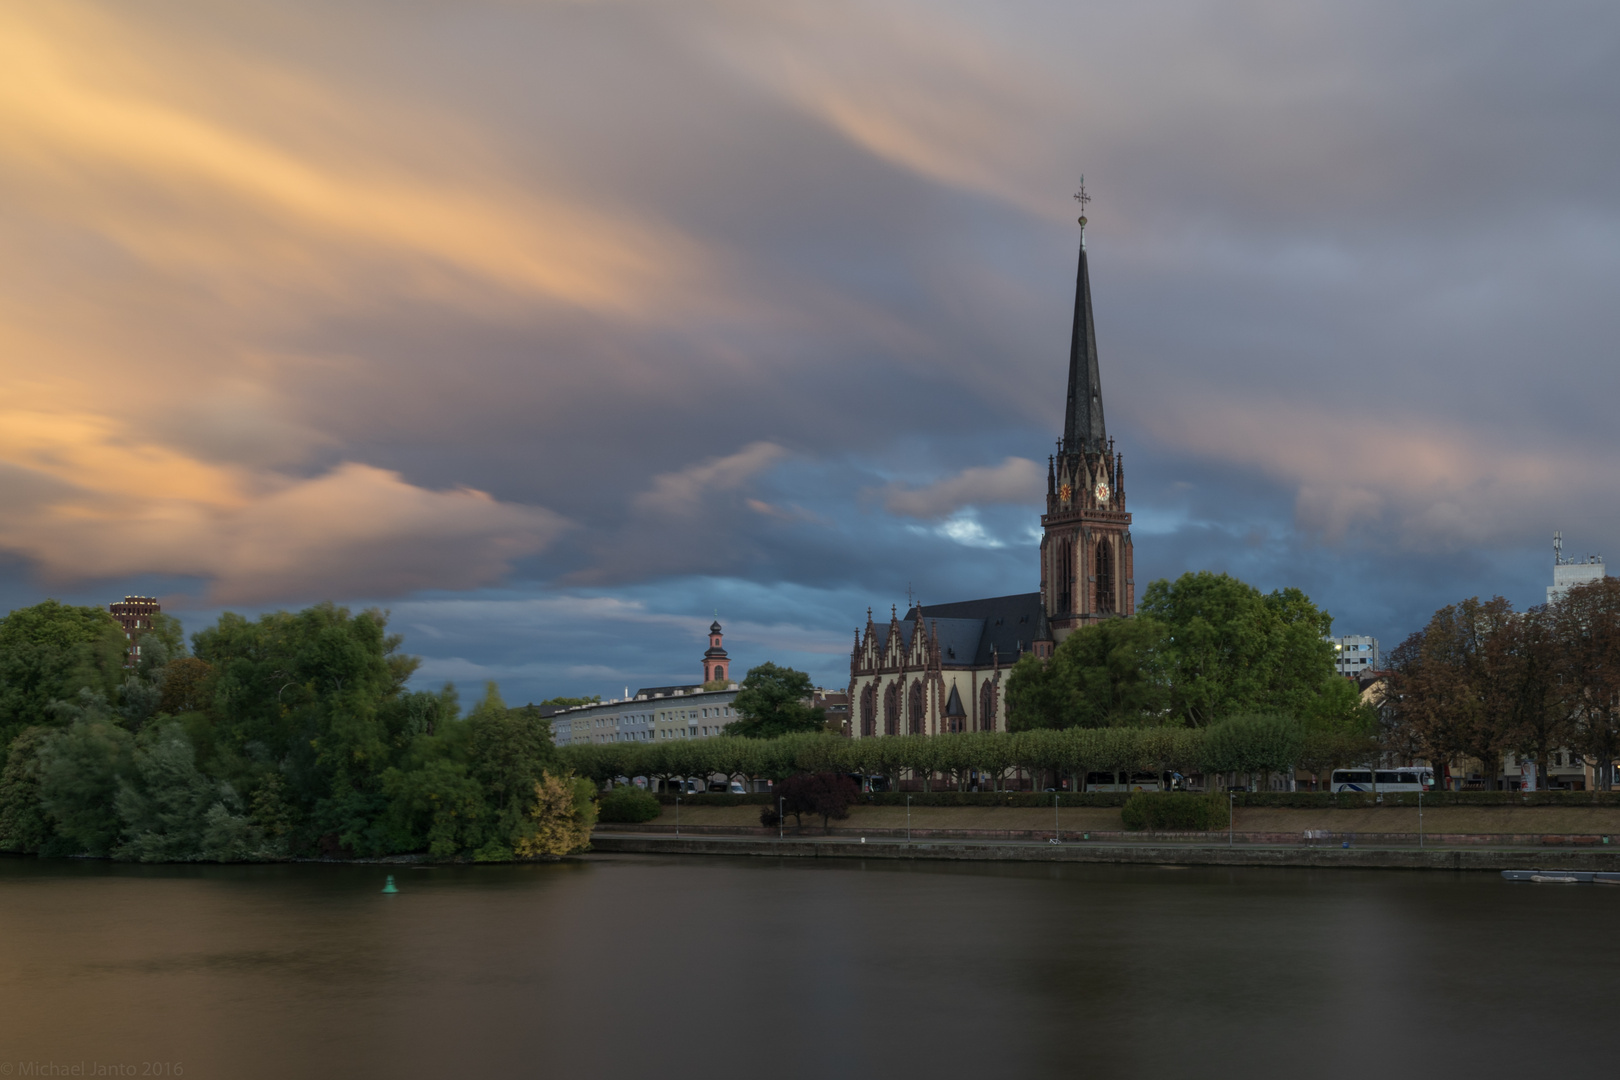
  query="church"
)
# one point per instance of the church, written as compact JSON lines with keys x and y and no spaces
{"x":943,"y":668}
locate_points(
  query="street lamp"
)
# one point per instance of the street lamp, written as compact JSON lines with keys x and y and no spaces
{"x":908,"y":819}
{"x":677,"y":815}
{"x":781,"y":814}
{"x":1420,"y":815}
{"x":1231,"y":804}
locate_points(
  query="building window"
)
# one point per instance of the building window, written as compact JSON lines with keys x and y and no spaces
{"x":891,"y":709}
{"x":916,"y":708}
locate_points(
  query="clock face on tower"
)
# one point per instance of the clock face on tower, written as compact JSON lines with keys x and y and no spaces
{"x":1064,"y":492}
{"x":1102,"y":491}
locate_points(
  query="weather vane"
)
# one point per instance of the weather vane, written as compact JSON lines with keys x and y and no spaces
{"x":1082,"y":198}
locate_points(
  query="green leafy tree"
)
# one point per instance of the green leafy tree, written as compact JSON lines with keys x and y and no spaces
{"x":170,"y":811}
{"x":49,"y":652}
{"x":24,"y":824}
{"x":81,"y":769}
{"x":509,"y":751}
{"x":772,"y":703}
{"x":1104,"y":674}
{"x":1232,"y":650}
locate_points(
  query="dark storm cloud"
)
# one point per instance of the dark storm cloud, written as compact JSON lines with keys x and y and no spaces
{"x":523,"y":316}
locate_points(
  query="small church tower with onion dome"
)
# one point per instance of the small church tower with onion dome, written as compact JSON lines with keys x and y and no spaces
{"x":716,"y":664}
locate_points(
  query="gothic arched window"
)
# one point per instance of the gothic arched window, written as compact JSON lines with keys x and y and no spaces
{"x":891,"y":710}
{"x":1064,"y":570}
{"x":987,"y":707}
{"x":1105,"y":578}
{"x":869,"y":711}
{"x":916,"y":708}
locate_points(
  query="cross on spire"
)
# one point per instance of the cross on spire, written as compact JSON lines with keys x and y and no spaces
{"x":1082,"y":198}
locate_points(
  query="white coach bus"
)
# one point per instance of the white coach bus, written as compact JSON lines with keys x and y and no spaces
{"x":1405,"y":778}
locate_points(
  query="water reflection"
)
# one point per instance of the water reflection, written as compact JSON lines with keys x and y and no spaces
{"x":625,"y":966}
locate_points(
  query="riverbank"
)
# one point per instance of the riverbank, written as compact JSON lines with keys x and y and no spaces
{"x":1145,"y":852}
{"x":1506,"y":826}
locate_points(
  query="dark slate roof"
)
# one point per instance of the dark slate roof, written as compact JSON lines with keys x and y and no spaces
{"x":969,"y":629}
{"x":953,"y":707}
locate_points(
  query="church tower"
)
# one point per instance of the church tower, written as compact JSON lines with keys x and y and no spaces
{"x":1087,"y":568}
{"x":716,"y":664}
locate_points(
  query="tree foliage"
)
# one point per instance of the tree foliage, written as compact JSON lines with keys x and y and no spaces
{"x":771,"y":703}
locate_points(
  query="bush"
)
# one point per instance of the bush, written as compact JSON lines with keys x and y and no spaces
{"x":769,"y":818}
{"x":1174,"y":811}
{"x":629,"y":804}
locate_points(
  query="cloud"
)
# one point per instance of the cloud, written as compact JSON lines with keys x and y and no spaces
{"x":682,"y":493}
{"x":1386,"y":479}
{"x":356,"y":530}
{"x":1015,"y":480}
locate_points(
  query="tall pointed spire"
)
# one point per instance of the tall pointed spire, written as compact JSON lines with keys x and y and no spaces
{"x":1083,"y":427}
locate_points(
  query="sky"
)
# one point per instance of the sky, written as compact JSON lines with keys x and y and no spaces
{"x":558,"y":329}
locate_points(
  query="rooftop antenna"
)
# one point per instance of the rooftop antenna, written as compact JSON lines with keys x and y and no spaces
{"x":1082,"y":198}
{"x":1558,"y":549}
{"x":909,"y":603}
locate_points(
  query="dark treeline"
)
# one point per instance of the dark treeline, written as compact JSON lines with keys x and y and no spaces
{"x":289,"y":735}
{"x":1482,"y":680}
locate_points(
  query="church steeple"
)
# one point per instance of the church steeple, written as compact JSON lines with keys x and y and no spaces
{"x":1083,"y":428}
{"x":1087,"y":563}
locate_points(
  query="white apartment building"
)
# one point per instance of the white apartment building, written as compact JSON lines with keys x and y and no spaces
{"x":652,"y":713}
{"x":1355,"y":655}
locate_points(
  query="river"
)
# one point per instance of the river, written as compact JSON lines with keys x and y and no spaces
{"x":651,"y":966}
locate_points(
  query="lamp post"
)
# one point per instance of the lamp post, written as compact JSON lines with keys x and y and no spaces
{"x":1057,"y":831}
{"x":1420,"y":815}
{"x":1231,"y":805}
{"x":908,"y":819}
{"x":781,"y":807}
{"x":677,"y":815}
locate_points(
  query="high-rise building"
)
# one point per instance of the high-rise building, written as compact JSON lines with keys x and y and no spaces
{"x":1356,"y":654}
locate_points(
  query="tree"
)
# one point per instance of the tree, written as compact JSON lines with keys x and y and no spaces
{"x":24,"y":825}
{"x":560,"y":819}
{"x":49,"y":652}
{"x":1231,"y":649}
{"x":1587,"y":628}
{"x":1103,"y":674}
{"x":826,"y":794}
{"x":772,"y":703}
{"x":509,"y":750}
{"x":1442,"y":685}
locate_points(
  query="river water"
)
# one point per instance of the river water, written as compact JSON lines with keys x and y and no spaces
{"x":646,"y":966}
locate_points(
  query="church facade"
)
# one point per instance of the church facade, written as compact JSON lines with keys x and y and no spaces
{"x":943,"y":668}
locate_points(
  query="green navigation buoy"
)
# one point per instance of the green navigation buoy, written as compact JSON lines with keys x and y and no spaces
{"x":390,"y":886}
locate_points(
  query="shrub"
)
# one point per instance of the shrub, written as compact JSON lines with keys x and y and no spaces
{"x":628,"y":803}
{"x":1174,"y":811}
{"x":769,"y":818}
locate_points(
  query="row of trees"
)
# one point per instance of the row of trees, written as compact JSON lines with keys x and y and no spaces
{"x":1482,"y":680}
{"x":1247,"y":746}
{"x":291,"y":734}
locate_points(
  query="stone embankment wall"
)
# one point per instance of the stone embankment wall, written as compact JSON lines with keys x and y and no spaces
{"x":1483,"y":859}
